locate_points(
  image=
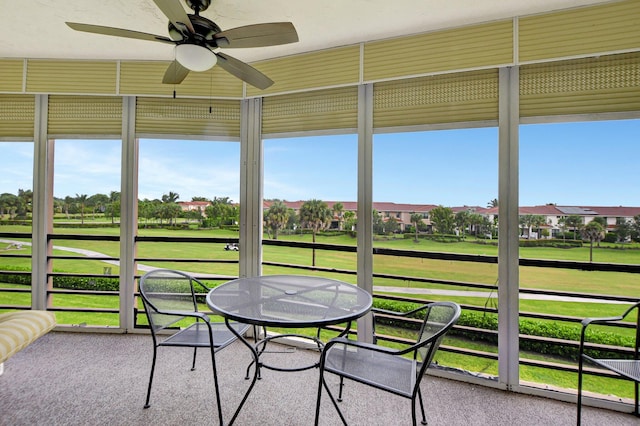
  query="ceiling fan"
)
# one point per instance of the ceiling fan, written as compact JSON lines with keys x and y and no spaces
{"x":197,"y":40}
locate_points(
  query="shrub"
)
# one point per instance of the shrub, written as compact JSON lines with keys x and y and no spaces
{"x":546,"y":329}
{"x":551,"y":243}
{"x":74,"y":283}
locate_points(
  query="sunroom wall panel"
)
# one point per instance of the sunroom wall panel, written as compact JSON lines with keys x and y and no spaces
{"x":478,"y":46}
{"x":197,"y":117}
{"x":328,"y":109}
{"x":145,"y":78}
{"x":449,"y":98}
{"x":327,"y":68}
{"x":17,"y":113}
{"x":581,"y":86}
{"x":71,"y":77}
{"x":11,"y":72}
{"x":84,"y":115}
{"x":611,"y":27}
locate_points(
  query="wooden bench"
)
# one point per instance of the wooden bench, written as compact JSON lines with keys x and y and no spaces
{"x":21,"y":328}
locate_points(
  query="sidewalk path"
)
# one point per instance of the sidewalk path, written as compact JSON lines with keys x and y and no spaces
{"x":377,"y":289}
{"x":489,"y":294}
{"x":88,"y":253}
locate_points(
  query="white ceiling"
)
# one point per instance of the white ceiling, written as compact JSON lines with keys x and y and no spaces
{"x":36,"y":28}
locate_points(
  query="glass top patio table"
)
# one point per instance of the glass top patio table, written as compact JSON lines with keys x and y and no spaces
{"x":286,"y":301}
{"x":289,"y":301}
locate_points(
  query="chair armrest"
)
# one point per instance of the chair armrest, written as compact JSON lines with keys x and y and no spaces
{"x":204,"y":317}
{"x":364,"y":345}
{"x":588,"y":321}
{"x":605,"y":321}
{"x":397,"y":313}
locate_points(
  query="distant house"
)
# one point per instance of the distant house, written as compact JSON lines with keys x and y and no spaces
{"x":199,"y":206}
{"x":552,"y":213}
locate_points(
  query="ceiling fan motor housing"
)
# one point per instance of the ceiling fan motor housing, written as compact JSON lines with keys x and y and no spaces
{"x":205,"y":31}
{"x":198,"y":5}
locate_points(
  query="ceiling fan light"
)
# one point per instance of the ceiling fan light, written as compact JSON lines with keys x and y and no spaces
{"x":194,"y":57}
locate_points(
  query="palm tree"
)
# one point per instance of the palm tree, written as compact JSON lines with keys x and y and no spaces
{"x":562,"y":223}
{"x":475,"y":220}
{"x":337,"y":210}
{"x":114,"y":205}
{"x":573,"y":222}
{"x":276,"y":217}
{"x":416,"y":218}
{"x":378,"y":222}
{"x":592,"y":231}
{"x":26,"y":202}
{"x":81,"y":200}
{"x":314,"y":214}
{"x":172,"y":197}
{"x":349,"y":219}
{"x":531,"y":221}
{"x":443,"y":219}
{"x":169,"y":211}
{"x":99,"y":203}
{"x":68,"y":204}
{"x":492,"y":203}
{"x":462,"y":219}
{"x":539,"y":220}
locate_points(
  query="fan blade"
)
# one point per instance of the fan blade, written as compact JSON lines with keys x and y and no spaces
{"x":176,"y":14}
{"x":243,"y":71}
{"x":258,"y":35}
{"x":118,"y":32}
{"x":175,"y":73}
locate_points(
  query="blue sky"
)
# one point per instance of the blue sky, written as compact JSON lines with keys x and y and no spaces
{"x":594,"y":163}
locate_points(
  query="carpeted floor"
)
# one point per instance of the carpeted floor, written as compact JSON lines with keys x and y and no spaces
{"x":101,"y":379}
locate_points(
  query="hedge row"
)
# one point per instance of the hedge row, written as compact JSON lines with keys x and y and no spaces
{"x":72,"y":283}
{"x":546,"y":329}
{"x":441,"y":238}
{"x":551,"y":243}
{"x":93,"y":284}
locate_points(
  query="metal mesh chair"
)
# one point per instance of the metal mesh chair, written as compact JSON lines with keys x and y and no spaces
{"x":398,"y":371}
{"x":627,"y":367}
{"x":171,"y":300}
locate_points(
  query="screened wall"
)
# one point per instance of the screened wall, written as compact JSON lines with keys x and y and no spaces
{"x":579,"y":64}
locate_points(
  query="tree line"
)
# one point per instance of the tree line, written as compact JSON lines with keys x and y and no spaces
{"x":314,"y":215}
{"x":165,"y":210}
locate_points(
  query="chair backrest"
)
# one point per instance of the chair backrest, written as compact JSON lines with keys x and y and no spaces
{"x":167,"y":295}
{"x":439,"y":317}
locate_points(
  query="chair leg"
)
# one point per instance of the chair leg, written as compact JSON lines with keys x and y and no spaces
{"x":333,"y":400}
{"x":193,"y":366}
{"x":424,"y":418}
{"x":635,"y":411}
{"x":215,"y":382}
{"x":153,"y":367}
{"x":318,"y":399}
{"x":579,"y":410}
{"x":340,"y":387}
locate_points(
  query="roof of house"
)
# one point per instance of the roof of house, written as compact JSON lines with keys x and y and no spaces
{"x":194,"y":203}
{"x":546,"y":210}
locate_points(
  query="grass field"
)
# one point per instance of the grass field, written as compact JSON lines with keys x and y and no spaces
{"x":612,"y":283}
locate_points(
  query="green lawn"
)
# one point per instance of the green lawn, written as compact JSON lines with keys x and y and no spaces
{"x":538,"y":278}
